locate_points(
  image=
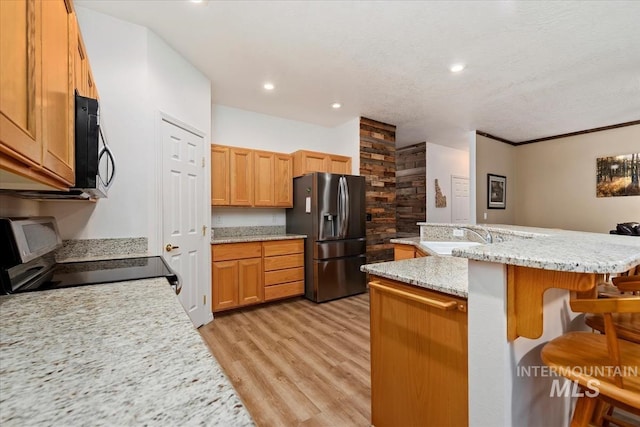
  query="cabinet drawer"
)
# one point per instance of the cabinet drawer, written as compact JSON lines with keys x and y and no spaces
{"x":229,"y":251}
{"x":284,"y":290}
{"x":283,"y":276}
{"x":283,"y":261}
{"x":283,"y":247}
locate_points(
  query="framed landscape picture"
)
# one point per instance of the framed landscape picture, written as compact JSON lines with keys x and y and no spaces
{"x":496,"y":191}
{"x":618,"y":175}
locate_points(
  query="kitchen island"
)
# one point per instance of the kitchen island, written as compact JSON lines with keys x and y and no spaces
{"x":503,"y":352}
{"x":115,"y":354}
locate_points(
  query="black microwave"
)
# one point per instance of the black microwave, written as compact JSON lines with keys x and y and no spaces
{"x":95,"y":165}
{"x":94,"y":162}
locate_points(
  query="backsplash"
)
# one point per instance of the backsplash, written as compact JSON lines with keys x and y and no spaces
{"x":260,"y":230}
{"x":77,"y":250}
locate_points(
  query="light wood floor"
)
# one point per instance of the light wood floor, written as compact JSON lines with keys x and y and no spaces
{"x":297,"y":362}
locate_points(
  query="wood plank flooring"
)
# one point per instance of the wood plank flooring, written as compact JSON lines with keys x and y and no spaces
{"x":297,"y":362}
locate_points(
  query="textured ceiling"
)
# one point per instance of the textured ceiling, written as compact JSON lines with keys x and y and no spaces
{"x":534,"y":69}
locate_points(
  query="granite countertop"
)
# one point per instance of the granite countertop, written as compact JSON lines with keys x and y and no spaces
{"x":442,"y":274}
{"x":256,"y":238}
{"x":119,"y":354}
{"x":562,"y":250}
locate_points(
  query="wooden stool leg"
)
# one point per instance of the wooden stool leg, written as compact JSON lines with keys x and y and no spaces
{"x":583,"y":413}
{"x":602,"y":409}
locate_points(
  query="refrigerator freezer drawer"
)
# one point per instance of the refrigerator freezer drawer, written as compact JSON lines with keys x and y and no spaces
{"x":339,"y":248}
{"x":336,"y":278}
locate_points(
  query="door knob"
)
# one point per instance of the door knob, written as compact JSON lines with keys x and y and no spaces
{"x":169,"y":247}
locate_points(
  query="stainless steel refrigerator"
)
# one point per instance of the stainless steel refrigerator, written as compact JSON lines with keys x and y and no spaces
{"x":330,"y":210}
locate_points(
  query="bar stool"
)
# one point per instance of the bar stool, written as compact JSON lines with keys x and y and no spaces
{"x":599,"y":364}
{"x":627,"y":324}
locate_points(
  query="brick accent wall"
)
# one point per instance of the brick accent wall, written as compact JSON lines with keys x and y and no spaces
{"x":411,"y":189}
{"x":378,"y":166}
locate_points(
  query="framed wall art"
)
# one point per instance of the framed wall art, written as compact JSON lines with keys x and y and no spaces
{"x":496,"y":191}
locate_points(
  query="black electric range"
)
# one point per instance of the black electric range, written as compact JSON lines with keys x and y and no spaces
{"x":27,"y":261}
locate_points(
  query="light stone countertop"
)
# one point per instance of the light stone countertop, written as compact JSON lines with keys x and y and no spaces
{"x":561,"y":250}
{"x":442,"y":274}
{"x":114,"y":354}
{"x":256,"y":238}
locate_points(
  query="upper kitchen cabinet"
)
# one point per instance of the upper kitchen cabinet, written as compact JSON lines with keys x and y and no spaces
{"x":241,"y":182}
{"x":57,"y":90}
{"x":39,"y":40}
{"x":272,"y":179}
{"x":82,"y":75}
{"x":245,"y":177}
{"x":310,"y":161}
{"x":20,"y":88}
{"x":219,"y":175}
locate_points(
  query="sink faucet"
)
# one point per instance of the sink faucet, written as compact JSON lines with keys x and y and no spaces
{"x":486,"y":239}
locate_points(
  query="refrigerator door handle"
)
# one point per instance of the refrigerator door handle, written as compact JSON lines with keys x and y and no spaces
{"x":346,"y":207}
{"x":340,"y":207}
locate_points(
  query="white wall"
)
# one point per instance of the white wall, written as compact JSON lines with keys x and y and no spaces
{"x":241,"y":128}
{"x":137,"y":76}
{"x":442,"y":163}
{"x":557,"y":182}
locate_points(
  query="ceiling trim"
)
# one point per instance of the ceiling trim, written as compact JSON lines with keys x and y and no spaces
{"x":497,"y":138}
{"x":581,"y":132}
{"x":564,"y":135}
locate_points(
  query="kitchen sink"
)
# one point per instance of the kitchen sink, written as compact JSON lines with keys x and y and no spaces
{"x":445,"y":248}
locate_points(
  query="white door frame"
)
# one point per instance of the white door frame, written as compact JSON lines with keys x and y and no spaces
{"x":156,"y":212}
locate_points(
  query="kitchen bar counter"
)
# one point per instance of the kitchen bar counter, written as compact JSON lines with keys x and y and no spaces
{"x":442,"y":274}
{"x":118,"y":354}
{"x":256,"y":238}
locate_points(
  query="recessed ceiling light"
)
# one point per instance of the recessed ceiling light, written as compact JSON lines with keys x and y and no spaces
{"x":336,"y":105}
{"x":269,"y":86}
{"x":456,"y":68}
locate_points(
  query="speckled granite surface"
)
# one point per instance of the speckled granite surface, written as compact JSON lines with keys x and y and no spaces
{"x":256,"y":238}
{"x":95,"y":249}
{"x":118,"y":354}
{"x":442,"y":274}
{"x":258,"y":230}
{"x":550,"y":249}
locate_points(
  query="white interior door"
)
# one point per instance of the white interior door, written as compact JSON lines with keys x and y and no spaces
{"x":460,"y":206}
{"x":183,"y":228}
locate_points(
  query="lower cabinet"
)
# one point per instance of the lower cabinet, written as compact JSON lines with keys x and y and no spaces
{"x":236,"y":275}
{"x":418,"y":356}
{"x":402,"y":251}
{"x":250,"y":273}
{"x":283,"y":269}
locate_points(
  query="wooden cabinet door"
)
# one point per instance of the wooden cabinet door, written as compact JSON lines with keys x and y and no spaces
{"x":264,"y":178}
{"x":401,"y":252}
{"x":20,"y":120}
{"x":80,"y":61}
{"x":418,"y":357}
{"x":339,"y":164}
{"x":309,"y":161}
{"x":220,"y":188}
{"x":58,"y":138}
{"x":283,"y":181}
{"x":250,"y":287}
{"x":224,"y":284}
{"x":241,"y":177}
